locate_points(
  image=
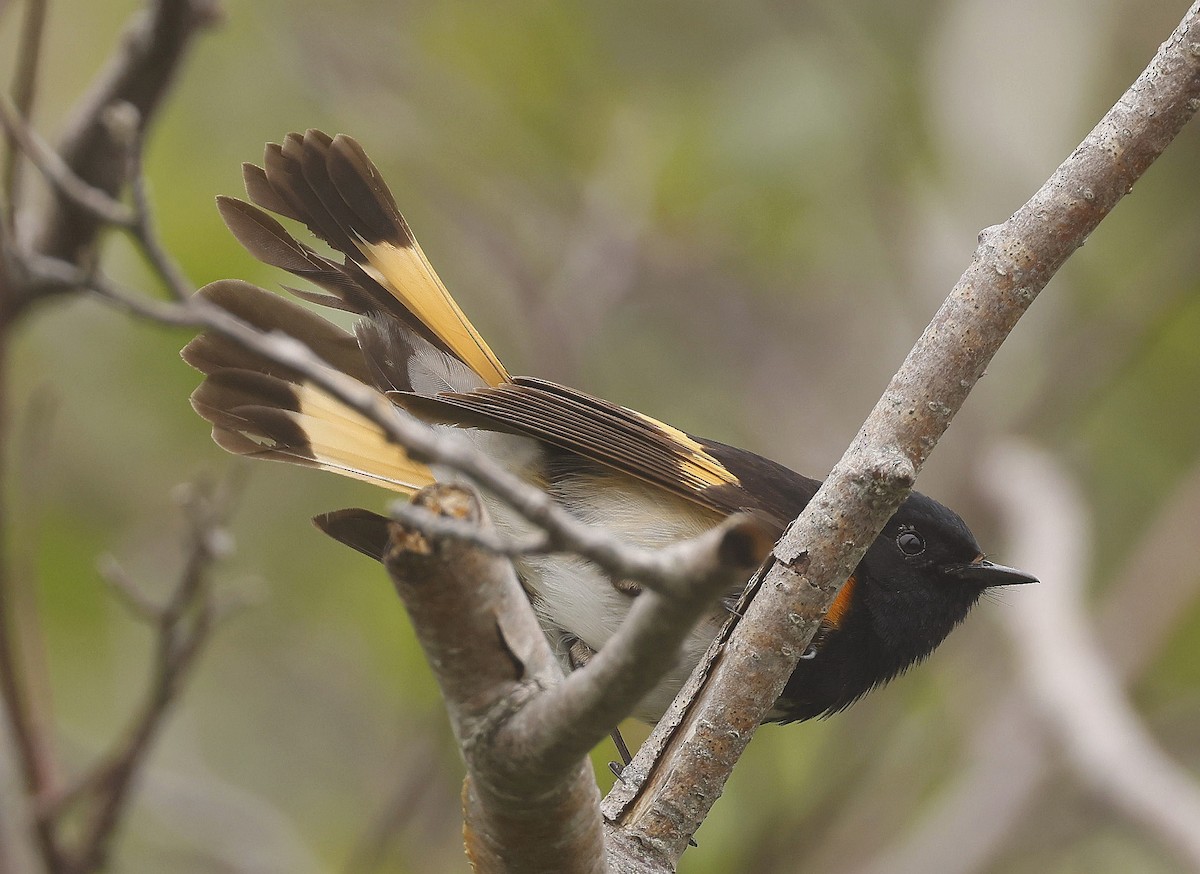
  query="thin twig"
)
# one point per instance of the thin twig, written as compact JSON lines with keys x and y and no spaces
{"x":145,"y":230}
{"x":28,"y":631}
{"x":182,"y":626}
{"x":1009,"y":755}
{"x":139,"y":73}
{"x":32,"y":736}
{"x":569,"y":720}
{"x":489,"y":538}
{"x":667,"y":569}
{"x":128,"y":592}
{"x":137,"y":221}
{"x":29,"y":50}
{"x":58,"y":173}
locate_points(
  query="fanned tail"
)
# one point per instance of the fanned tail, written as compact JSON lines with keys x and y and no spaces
{"x":331,"y":186}
{"x":413,"y":336}
{"x":261,"y":410}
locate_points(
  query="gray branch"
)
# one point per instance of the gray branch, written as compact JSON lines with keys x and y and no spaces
{"x":98,"y":145}
{"x":655,"y":811}
{"x":1066,"y":671}
{"x":531,"y":800}
{"x":1012,"y":264}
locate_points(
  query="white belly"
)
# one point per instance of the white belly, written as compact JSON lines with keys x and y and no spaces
{"x":571,"y":596}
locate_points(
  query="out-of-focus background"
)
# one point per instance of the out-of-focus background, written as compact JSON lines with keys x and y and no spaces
{"x":735,"y":216}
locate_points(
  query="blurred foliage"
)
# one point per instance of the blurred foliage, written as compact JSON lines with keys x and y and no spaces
{"x":736,"y":216}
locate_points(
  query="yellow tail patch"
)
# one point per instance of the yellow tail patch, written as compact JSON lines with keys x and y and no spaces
{"x":407,"y":274}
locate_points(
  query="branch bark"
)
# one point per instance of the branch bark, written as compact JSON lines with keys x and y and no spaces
{"x":182,"y":627}
{"x":654,"y":812}
{"x":101,"y":138}
{"x":531,"y":801}
{"x":97,"y":157}
{"x":1011,"y":265}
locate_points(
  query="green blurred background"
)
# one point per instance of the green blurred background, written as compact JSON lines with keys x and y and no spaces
{"x":735,"y":216}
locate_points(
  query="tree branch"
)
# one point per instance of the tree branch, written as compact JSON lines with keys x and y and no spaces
{"x":454,"y":592}
{"x":103,"y":206}
{"x":182,"y":626}
{"x":1065,"y":670}
{"x":664,"y":569}
{"x":29,"y":49}
{"x":92,"y":169}
{"x":1012,"y":263}
{"x":1009,"y":753}
{"x":24,"y":711}
{"x":97,"y":147}
{"x":525,"y":731}
{"x":568,"y":721}
{"x":1011,"y":266}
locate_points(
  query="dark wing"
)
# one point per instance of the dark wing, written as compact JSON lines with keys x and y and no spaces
{"x":716,"y":476}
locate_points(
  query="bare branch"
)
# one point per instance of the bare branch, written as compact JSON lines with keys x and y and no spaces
{"x":140,"y":74}
{"x":182,"y":627}
{"x":454,"y":591}
{"x":29,"y":50}
{"x":569,"y":720}
{"x":1065,"y":667}
{"x":524,"y":730}
{"x":144,"y":228}
{"x":676,"y":577}
{"x":416,"y":516}
{"x":655,"y":568}
{"x":1009,"y":755}
{"x":127,"y":591}
{"x":1012,"y":264}
{"x":907,"y":423}
{"x":98,"y":202}
{"x":26,"y":713}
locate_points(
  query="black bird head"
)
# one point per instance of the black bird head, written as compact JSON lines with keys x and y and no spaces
{"x":919,"y":579}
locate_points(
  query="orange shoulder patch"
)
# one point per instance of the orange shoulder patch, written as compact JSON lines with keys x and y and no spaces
{"x":837,"y":610}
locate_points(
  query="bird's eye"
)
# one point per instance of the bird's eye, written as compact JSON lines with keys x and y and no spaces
{"x":910,"y":543}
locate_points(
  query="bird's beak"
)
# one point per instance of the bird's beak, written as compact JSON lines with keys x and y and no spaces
{"x":985,"y":573}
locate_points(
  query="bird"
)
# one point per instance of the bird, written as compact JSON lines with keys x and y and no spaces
{"x":606,"y":464}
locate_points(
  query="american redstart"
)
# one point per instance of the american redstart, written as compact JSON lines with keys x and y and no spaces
{"x":609,"y":465}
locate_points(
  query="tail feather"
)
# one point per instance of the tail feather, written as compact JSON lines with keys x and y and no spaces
{"x":407,"y":363}
{"x":359,"y":529}
{"x":330,"y":185}
{"x":260,"y":409}
{"x":262,"y":416}
{"x":260,"y":191}
{"x":270,"y":312}
{"x":413,"y":338}
{"x":349,"y":287}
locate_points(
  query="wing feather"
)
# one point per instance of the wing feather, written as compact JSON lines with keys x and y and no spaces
{"x":719,"y":477}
